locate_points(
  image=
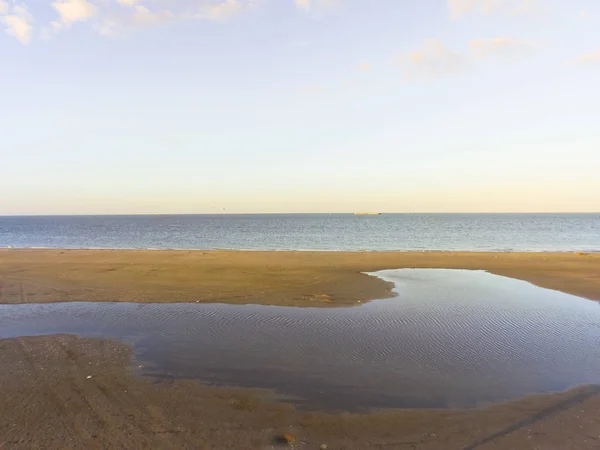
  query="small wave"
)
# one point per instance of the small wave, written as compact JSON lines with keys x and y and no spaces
{"x":306,"y":250}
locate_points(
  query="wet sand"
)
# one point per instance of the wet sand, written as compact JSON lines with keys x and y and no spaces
{"x":47,"y":400}
{"x":273,"y":278}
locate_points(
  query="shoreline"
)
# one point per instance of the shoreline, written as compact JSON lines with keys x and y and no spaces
{"x":62,"y":391}
{"x":283,"y":278}
{"x":290,"y":250}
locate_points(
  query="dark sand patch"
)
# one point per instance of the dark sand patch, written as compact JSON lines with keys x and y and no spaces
{"x":47,"y":401}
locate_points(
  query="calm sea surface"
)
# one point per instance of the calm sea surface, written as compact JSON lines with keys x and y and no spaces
{"x":451,"y":338}
{"x":478,"y":232}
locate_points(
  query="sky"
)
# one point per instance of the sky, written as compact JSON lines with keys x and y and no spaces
{"x":203,"y":106}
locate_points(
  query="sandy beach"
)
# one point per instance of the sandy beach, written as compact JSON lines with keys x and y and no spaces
{"x":273,"y":278}
{"x":63,"y":391}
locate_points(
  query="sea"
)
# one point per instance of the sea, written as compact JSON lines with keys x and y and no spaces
{"x":303,"y":232}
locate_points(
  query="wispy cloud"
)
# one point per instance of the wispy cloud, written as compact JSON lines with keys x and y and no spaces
{"x":433,"y":60}
{"x":312,"y":5}
{"x":589,"y":58}
{"x":145,"y":17}
{"x":500,"y":47}
{"x":224,"y":10}
{"x":120,"y":22}
{"x":129,"y":2}
{"x":584,"y":14}
{"x":304,"y":4}
{"x":71,"y":11}
{"x":460,"y":8}
{"x":17,"y":21}
{"x":364,"y":67}
{"x":119,"y":17}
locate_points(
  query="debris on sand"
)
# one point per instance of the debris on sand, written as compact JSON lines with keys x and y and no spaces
{"x":286,"y":439}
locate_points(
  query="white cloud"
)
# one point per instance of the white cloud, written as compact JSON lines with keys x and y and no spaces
{"x":503,"y":47}
{"x":71,"y":11}
{"x":460,"y":8}
{"x":119,"y":22}
{"x":584,"y":14}
{"x":144,"y":17}
{"x":432,"y":61}
{"x":364,"y":67}
{"x":129,"y":2}
{"x":589,"y":58}
{"x":109,"y":26}
{"x":304,"y":4}
{"x":224,"y":10}
{"x":18,"y":23}
{"x":118,"y":17}
{"x":311,"y":5}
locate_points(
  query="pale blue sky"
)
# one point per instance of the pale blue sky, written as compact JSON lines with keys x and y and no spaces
{"x":188,"y":106}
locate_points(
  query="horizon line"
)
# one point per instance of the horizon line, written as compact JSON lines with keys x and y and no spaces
{"x":292,"y":213}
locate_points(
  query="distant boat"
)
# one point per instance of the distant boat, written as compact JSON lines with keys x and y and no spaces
{"x":367,"y":213}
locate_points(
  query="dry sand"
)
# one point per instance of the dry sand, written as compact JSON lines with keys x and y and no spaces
{"x":49,"y":401}
{"x":275,"y":278}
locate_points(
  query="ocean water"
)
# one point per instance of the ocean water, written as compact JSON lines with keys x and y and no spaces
{"x":451,"y":338}
{"x":477,"y":232}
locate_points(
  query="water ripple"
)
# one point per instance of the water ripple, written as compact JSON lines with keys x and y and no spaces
{"x":451,"y":338}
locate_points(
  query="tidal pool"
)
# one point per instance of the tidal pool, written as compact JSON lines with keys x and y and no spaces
{"x":450,"y":338}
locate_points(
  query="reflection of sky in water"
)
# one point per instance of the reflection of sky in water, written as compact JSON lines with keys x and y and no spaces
{"x":451,"y":338}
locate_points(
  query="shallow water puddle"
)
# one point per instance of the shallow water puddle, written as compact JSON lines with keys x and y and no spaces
{"x":451,"y":338}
